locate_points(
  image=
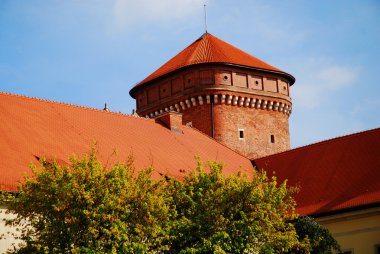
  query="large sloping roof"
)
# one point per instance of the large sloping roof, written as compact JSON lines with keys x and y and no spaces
{"x":31,"y":128}
{"x":210,"y":49}
{"x":334,"y":175}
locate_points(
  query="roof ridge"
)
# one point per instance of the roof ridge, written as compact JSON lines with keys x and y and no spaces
{"x":72,"y":105}
{"x":318,"y":143}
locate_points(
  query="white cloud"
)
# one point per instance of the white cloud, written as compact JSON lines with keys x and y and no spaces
{"x":336,"y":77}
{"x":127,"y":13}
{"x":320,"y":80}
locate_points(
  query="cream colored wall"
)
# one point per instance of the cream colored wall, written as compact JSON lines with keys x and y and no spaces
{"x":7,"y":242}
{"x":359,"y":231}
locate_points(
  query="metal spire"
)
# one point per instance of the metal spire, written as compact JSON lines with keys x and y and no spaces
{"x":205,"y":10}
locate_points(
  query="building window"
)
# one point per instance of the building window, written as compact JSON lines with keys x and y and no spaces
{"x":272,"y":139}
{"x":241,"y":133}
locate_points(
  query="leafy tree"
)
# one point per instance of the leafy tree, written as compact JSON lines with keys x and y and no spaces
{"x":319,"y":237}
{"x":85,"y":208}
{"x":232,"y":214}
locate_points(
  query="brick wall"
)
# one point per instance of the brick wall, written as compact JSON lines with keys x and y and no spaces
{"x":253,"y":130}
{"x":257,"y":126}
{"x":199,"y":117}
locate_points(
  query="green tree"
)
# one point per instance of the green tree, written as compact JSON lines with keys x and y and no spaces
{"x":87,"y":209}
{"x":319,"y":237}
{"x":232,"y":214}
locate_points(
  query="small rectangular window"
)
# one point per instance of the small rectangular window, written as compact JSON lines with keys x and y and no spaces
{"x":272,"y":139}
{"x":241,"y":134}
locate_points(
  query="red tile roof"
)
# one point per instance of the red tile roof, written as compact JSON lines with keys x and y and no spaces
{"x":33,"y":127}
{"x":334,"y":175}
{"x":210,"y":49}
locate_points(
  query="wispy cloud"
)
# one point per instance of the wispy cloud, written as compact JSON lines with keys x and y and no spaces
{"x":337,"y":77}
{"x":322,"y":80}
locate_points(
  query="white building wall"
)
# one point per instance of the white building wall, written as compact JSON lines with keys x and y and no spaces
{"x":9,"y":240}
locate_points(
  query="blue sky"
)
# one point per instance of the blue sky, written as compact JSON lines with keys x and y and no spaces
{"x":89,"y":52}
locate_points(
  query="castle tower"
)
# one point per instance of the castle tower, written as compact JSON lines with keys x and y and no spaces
{"x":224,"y":92}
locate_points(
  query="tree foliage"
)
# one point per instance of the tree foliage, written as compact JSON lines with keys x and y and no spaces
{"x":234,"y":214}
{"x":85,"y":208}
{"x":320,"y":239}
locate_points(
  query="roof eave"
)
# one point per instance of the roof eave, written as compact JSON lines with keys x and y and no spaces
{"x":291,"y":78}
{"x":344,"y":210}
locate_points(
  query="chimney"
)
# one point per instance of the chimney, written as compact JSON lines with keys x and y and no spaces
{"x":171,"y":120}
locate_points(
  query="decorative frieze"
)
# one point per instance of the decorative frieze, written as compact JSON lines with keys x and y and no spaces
{"x":208,"y":99}
{"x":241,"y":101}
{"x":265,"y":104}
{"x":235,"y":100}
{"x":215,"y":98}
{"x":182,"y":105}
{"x":247,"y":101}
{"x":200,"y":99}
{"x":229,"y":99}
{"x":223,"y":98}
{"x":193,"y":101}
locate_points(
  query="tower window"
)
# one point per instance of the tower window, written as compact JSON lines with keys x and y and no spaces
{"x":256,"y":82}
{"x":225,"y":77}
{"x":241,"y":134}
{"x":272,"y":138}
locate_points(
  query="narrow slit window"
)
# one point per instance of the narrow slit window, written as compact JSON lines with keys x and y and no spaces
{"x":241,"y":134}
{"x":272,"y":138}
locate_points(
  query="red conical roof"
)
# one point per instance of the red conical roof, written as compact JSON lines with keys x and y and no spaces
{"x":210,"y":49}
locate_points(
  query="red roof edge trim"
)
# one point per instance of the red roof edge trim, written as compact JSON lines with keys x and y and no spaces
{"x":320,"y":143}
{"x":345,"y":210}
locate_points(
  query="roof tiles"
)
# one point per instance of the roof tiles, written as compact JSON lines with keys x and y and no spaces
{"x":209,"y":49}
{"x":333,"y":175}
{"x":33,"y":128}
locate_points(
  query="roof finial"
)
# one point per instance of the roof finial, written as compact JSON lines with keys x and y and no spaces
{"x":205,"y":11}
{"x":106,"y":107}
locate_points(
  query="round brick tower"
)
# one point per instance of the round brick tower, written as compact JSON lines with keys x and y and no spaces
{"x":224,"y":92}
